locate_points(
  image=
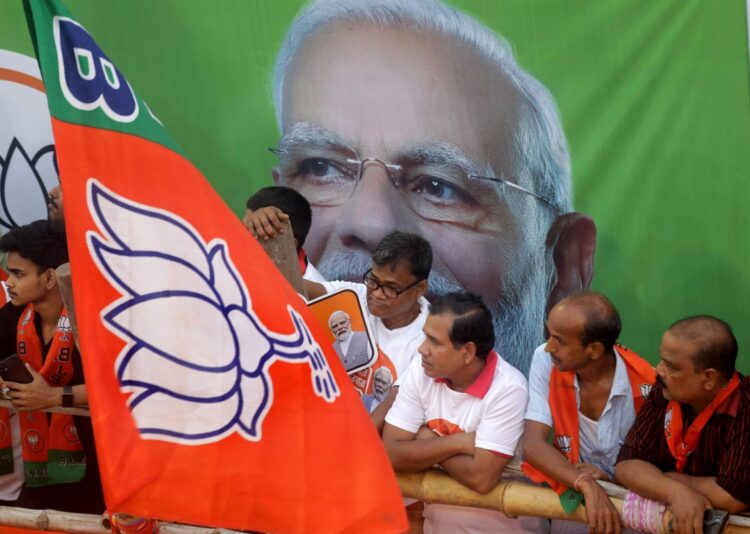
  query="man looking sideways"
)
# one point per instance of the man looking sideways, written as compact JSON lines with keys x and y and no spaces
{"x":690,"y":444}
{"x":60,"y":471}
{"x":460,"y":406}
{"x":585,"y":391}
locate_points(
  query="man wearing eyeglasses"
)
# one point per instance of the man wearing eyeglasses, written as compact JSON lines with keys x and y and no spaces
{"x":392,"y":297}
{"x":412,"y":116}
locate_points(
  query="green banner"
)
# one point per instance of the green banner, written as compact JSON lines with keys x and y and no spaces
{"x":653,"y":100}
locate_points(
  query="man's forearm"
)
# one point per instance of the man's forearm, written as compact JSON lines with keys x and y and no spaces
{"x":465,"y":469}
{"x":550,"y":461}
{"x":378,"y":414}
{"x":707,"y":486}
{"x":415,"y":455}
{"x":647,"y":480}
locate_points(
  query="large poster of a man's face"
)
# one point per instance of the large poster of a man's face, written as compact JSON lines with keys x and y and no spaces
{"x":414,"y":116}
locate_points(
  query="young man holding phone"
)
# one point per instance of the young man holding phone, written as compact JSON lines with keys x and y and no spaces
{"x":58,"y":466}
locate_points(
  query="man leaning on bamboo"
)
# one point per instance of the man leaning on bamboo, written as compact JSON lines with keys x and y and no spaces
{"x":584,"y":391}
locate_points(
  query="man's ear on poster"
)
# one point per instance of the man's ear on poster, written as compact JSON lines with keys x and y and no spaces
{"x":571,"y":240}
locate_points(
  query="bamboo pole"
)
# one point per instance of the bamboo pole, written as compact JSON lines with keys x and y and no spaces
{"x":515,"y":498}
{"x":5,"y":403}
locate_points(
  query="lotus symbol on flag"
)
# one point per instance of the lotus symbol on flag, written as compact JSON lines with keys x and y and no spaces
{"x":197,"y":356}
{"x":24,"y":182}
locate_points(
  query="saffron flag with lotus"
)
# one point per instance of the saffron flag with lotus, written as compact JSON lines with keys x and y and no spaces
{"x":214,"y":396}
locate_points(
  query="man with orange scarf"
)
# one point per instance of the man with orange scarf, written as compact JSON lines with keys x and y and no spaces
{"x":690,"y":444}
{"x":584,"y":391}
{"x":34,"y":325}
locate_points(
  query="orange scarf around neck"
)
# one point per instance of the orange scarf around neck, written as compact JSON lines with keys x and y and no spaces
{"x":564,"y":408}
{"x":52,"y":452}
{"x":682,"y":443}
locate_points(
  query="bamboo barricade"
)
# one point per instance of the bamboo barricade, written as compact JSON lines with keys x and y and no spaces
{"x":511,"y":496}
{"x":514,"y":498}
{"x":55,"y":521}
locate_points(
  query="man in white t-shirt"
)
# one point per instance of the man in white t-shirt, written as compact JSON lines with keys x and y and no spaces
{"x":391,"y":293}
{"x":392,"y":297}
{"x":461,"y":407}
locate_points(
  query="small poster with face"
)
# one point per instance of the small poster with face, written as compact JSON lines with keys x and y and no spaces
{"x":341,"y":314}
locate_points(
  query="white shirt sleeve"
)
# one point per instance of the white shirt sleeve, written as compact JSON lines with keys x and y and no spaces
{"x":407,"y":411}
{"x":501,"y":426}
{"x":541,"y":367}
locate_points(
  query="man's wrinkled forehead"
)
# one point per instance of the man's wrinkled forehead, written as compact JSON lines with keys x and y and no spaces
{"x":383,"y":89}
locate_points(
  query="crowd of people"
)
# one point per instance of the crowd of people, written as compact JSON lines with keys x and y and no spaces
{"x":457,"y":382}
{"x":590,"y":410}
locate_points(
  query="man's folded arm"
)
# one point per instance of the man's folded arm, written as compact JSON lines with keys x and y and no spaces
{"x":480,"y":471}
{"x":409,"y":455}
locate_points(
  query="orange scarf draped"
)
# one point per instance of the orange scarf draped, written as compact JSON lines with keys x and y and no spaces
{"x":564,"y":409}
{"x":681,"y":445}
{"x":52,"y":452}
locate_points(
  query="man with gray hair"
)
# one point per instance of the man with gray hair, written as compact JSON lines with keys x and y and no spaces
{"x":413,"y":116}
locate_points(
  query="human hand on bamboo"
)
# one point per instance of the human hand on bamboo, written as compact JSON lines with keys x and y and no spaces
{"x":591,"y":470}
{"x":36,"y":395}
{"x":688,"y":507}
{"x":601,"y":514}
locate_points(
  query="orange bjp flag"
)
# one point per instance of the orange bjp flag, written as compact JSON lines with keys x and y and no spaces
{"x":215,"y":397}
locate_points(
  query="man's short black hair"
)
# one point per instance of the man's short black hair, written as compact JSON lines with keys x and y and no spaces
{"x":602,"y":322}
{"x":472,"y":322}
{"x":290,"y":202}
{"x":41,"y":242}
{"x":412,"y":249}
{"x":714,"y":342}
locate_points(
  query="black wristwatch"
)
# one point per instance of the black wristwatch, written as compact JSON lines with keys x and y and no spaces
{"x":67,"y":397}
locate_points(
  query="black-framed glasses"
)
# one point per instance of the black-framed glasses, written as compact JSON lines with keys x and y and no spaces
{"x":373,"y":284}
{"x":436,"y":186}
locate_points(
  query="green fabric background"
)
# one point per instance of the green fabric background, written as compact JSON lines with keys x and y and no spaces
{"x":654,"y":98}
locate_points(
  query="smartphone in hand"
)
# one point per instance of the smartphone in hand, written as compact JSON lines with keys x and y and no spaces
{"x":12,"y":369}
{"x":714,"y":521}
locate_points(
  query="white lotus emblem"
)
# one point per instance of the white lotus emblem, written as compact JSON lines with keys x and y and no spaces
{"x":197,"y":356}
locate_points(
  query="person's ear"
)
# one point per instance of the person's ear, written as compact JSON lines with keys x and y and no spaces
{"x":595,"y":350}
{"x":572,"y":241}
{"x":469,"y":351}
{"x":710,"y":378}
{"x":421,"y":288}
{"x":51,"y":279}
{"x":276,"y":175}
